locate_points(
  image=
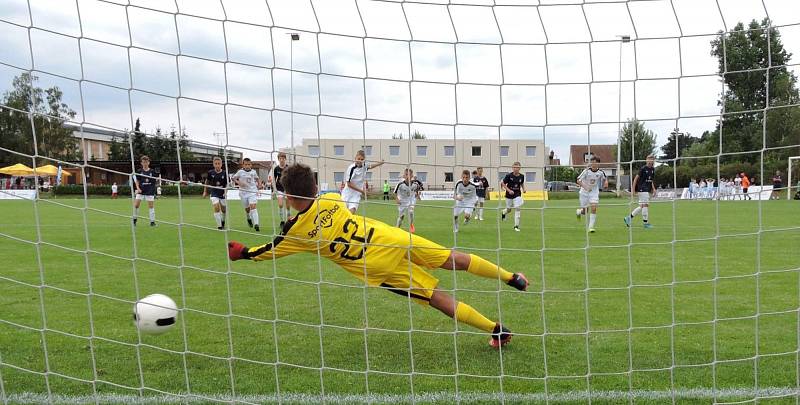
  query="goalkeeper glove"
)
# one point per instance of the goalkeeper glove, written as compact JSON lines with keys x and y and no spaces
{"x":236,"y":251}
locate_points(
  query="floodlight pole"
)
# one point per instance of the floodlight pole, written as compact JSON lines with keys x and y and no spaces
{"x":293,"y":36}
{"x":622,"y":39}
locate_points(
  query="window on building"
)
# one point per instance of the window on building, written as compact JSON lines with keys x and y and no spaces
{"x":504,"y":151}
{"x":394,"y":176}
{"x":394,"y":150}
{"x":313,"y":150}
{"x":338,"y":177}
{"x":448,"y":177}
{"x":422,"y":151}
{"x":422,"y":176}
{"x":338,"y":150}
{"x":530,"y":177}
{"x":449,"y":150}
{"x":530,"y":151}
{"x":367,"y":150}
{"x":501,"y":175}
{"x":476,"y":151}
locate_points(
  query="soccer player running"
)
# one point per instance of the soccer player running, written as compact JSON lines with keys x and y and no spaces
{"x":590,"y":180}
{"x":466,"y":196}
{"x":145,"y":183}
{"x":355,"y":178}
{"x":275,"y":179}
{"x":247,"y":180}
{"x":218,"y":179}
{"x":404,"y":194}
{"x":378,"y":254}
{"x":514,"y":185}
{"x":644,"y":186}
{"x":481,"y":186}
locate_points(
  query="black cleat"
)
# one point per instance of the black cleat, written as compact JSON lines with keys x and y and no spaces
{"x":500,"y":336}
{"x":282,"y":224}
{"x":249,"y":222}
{"x":257,"y":228}
{"x":134,"y":221}
{"x":152,"y":223}
{"x":221,"y":228}
{"x":503,"y":216}
{"x":519,"y":282}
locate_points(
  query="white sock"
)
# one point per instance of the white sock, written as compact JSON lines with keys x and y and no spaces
{"x":645,"y":214}
{"x":517,"y":215}
{"x":282,"y":213}
{"x":592,"y":217}
{"x":152,"y":215}
{"x":136,"y":212}
{"x":636,"y":211}
{"x":480,"y":212}
{"x":411,"y":217}
{"x":455,"y":223}
{"x":254,"y":215}
{"x":218,"y":218}
{"x":578,"y":212}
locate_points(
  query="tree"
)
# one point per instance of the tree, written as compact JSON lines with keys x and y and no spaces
{"x":685,"y":141}
{"x":636,"y":143}
{"x":418,"y":135}
{"x":18,"y":130}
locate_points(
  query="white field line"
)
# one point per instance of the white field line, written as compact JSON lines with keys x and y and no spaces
{"x":721,"y":396}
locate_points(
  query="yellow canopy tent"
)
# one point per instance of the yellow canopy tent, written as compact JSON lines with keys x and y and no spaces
{"x":50,"y":170}
{"x":17,"y":170}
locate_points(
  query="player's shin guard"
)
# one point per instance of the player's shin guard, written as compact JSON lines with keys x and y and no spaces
{"x":218,"y":218}
{"x":517,"y":215}
{"x":636,"y":211}
{"x":136,"y":212}
{"x":645,"y":214}
{"x":484,"y":268}
{"x":152,"y":214}
{"x":254,"y":216}
{"x":592,"y":218}
{"x":470,"y":316}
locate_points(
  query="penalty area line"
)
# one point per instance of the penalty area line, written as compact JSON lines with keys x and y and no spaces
{"x":722,"y":395}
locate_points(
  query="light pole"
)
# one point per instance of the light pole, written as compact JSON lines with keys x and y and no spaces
{"x":623,"y":39}
{"x":293,"y":36}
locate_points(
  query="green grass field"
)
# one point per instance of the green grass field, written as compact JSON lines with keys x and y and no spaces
{"x":704,"y":305}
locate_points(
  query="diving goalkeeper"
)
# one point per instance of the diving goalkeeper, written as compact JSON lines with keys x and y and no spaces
{"x":378,"y":254}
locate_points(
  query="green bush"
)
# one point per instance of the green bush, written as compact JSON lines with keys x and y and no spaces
{"x":124,"y":191}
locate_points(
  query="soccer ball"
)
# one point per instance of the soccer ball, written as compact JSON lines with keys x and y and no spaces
{"x":155,"y":314}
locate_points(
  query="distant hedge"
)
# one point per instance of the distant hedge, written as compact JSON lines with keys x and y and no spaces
{"x":124,"y":191}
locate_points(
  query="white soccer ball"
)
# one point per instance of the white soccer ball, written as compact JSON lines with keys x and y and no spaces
{"x":155,"y":314}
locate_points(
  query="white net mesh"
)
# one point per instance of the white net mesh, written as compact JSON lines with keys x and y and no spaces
{"x":703,"y":307}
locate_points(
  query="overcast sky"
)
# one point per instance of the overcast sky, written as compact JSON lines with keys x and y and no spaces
{"x":368,"y":68}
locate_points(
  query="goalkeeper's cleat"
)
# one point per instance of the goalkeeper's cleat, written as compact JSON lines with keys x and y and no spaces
{"x":500,"y":336}
{"x":152,"y":223}
{"x":134,"y":221}
{"x":648,"y":226}
{"x":256,"y":228}
{"x":519,"y":281}
{"x":411,"y":228}
{"x":249,"y":222}
{"x":627,"y":221}
{"x":236,"y":251}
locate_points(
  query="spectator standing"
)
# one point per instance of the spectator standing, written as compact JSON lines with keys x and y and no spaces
{"x":777,"y":186}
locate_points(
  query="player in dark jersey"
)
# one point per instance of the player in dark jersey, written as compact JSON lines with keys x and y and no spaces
{"x":644,"y":185}
{"x":482,"y":186}
{"x":275,"y":179}
{"x":145,"y":183}
{"x":218,"y":180}
{"x":777,"y":186}
{"x":514,"y":185}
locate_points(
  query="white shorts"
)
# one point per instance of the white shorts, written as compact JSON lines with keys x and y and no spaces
{"x":481,"y":199}
{"x":220,"y":201}
{"x":644,"y":197}
{"x":589,"y":198}
{"x":405,"y":208}
{"x":352,"y":198}
{"x":248,"y":198}
{"x":515,"y":202}
{"x":147,"y":198}
{"x":458,"y":209}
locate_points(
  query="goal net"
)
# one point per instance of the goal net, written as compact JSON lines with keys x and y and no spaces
{"x":492,"y":134}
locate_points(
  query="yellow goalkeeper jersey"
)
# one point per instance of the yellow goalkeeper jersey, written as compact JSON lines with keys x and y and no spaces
{"x":369,"y":249}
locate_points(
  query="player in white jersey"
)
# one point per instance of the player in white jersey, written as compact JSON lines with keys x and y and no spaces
{"x":247,"y":180}
{"x":277,"y":188}
{"x":590,"y":180}
{"x":405,"y":195}
{"x":466,"y":196}
{"x":354,"y":179}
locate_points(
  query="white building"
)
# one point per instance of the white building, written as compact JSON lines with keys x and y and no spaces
{"x":436,"y":162}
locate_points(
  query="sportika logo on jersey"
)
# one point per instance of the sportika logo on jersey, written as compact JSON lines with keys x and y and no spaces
{"x":323,"y":220}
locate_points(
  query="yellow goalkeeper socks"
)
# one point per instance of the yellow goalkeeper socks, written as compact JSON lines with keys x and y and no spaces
{"x":484,"y":268}
{"x":467,"y":314}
